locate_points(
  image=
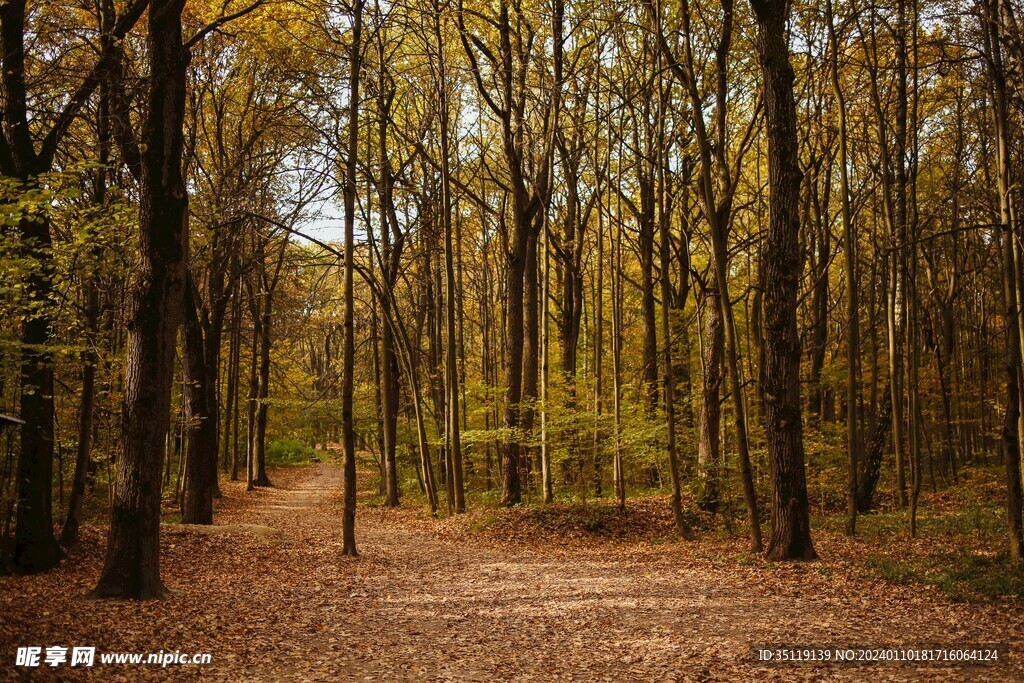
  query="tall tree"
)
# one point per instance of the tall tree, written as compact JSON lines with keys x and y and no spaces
{"x":348,"y":367}
{"x":1013,"y":436}
{"x":791,"y":526}
{"x":83,"y":456}
{"x":849,"y":258}
{"x":132,"y":565}
{"x":27,"y":154}
{"x":716,"y":189}
{"x":452,"y":435}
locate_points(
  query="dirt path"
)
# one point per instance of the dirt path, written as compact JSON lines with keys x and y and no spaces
{"x":269,"y":596}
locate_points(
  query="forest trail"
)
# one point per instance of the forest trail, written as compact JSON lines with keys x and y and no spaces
{"x":268,"y":594}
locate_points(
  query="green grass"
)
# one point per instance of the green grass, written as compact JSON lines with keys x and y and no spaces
{"x":961,"y":576}
{"x":289,"y":453}
{"x":983,"y":522}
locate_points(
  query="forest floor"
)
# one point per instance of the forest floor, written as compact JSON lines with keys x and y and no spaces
{"x":269,"y":596}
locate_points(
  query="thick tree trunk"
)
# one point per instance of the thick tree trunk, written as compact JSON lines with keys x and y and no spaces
{"x":1011,"y":463}
{"x":35,"y":547}
{"x":132,"y":566}
{"x":511,"y":492}
{"x":1012,"y":432}
{"x":791,"y":528}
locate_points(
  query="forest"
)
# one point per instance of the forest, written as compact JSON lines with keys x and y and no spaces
{"x":684,"y":308}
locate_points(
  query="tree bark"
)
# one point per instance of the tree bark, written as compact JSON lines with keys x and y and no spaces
{"x":709,"y":417}
{"x":453,"y":437}
{"x":263,"y":391}
{"x":201,"y":464}
{"x":849,"y":258}
{"x":1012,"y":433}
{"x":348,"y":368}
{"x":132,"y":565}
{"x":791,"y":529}
{"x":35,"y":547}
{"x":874,"y":456}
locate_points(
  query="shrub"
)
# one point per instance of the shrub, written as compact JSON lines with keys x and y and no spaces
{"x":289,"y":452}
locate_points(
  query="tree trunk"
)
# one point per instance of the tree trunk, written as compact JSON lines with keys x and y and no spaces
{"x":665,"y":248}
{"x":263,"y":393}
{"x":453,"y":437}
{"x":254,"y":392}
{"x":390,"y":254}
{"x":709,"y":418}
{"x":132,"y":566}
{"x":791,"y":528}
{"x":69,"y":532}
{"x":234,"y":371}
{"x":874,"y":456}
{"x":201,"y":466}
{"x":531,"y":350}
{"x":1012,"y":434}
{"x":645,"y":237}
{"x":348,"y":368}
{"x":849,"y":258}
{"x":35,"y":547}
{"x":83,"y":461}
{"x":545,"y":448}
{"x":619,"y":471}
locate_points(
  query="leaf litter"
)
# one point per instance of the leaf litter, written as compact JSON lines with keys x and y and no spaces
{"x":531,"y":595}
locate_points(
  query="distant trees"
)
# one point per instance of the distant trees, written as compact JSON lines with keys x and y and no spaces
{"x":526,"y":192}
{"x":519,"y":185}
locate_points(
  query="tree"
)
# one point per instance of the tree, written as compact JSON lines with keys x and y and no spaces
{"x":507,"y":68}
{"x":791,"y":528}
{"x":348,"y":368}
{"x":132,"y":565}
{"x":849,"y":256}
{"x":716,"y":191}
{"x":21,"y":158}
{"x":1007,"y":235}
{"x":452,"y":437}
{"x":83,"y":460}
